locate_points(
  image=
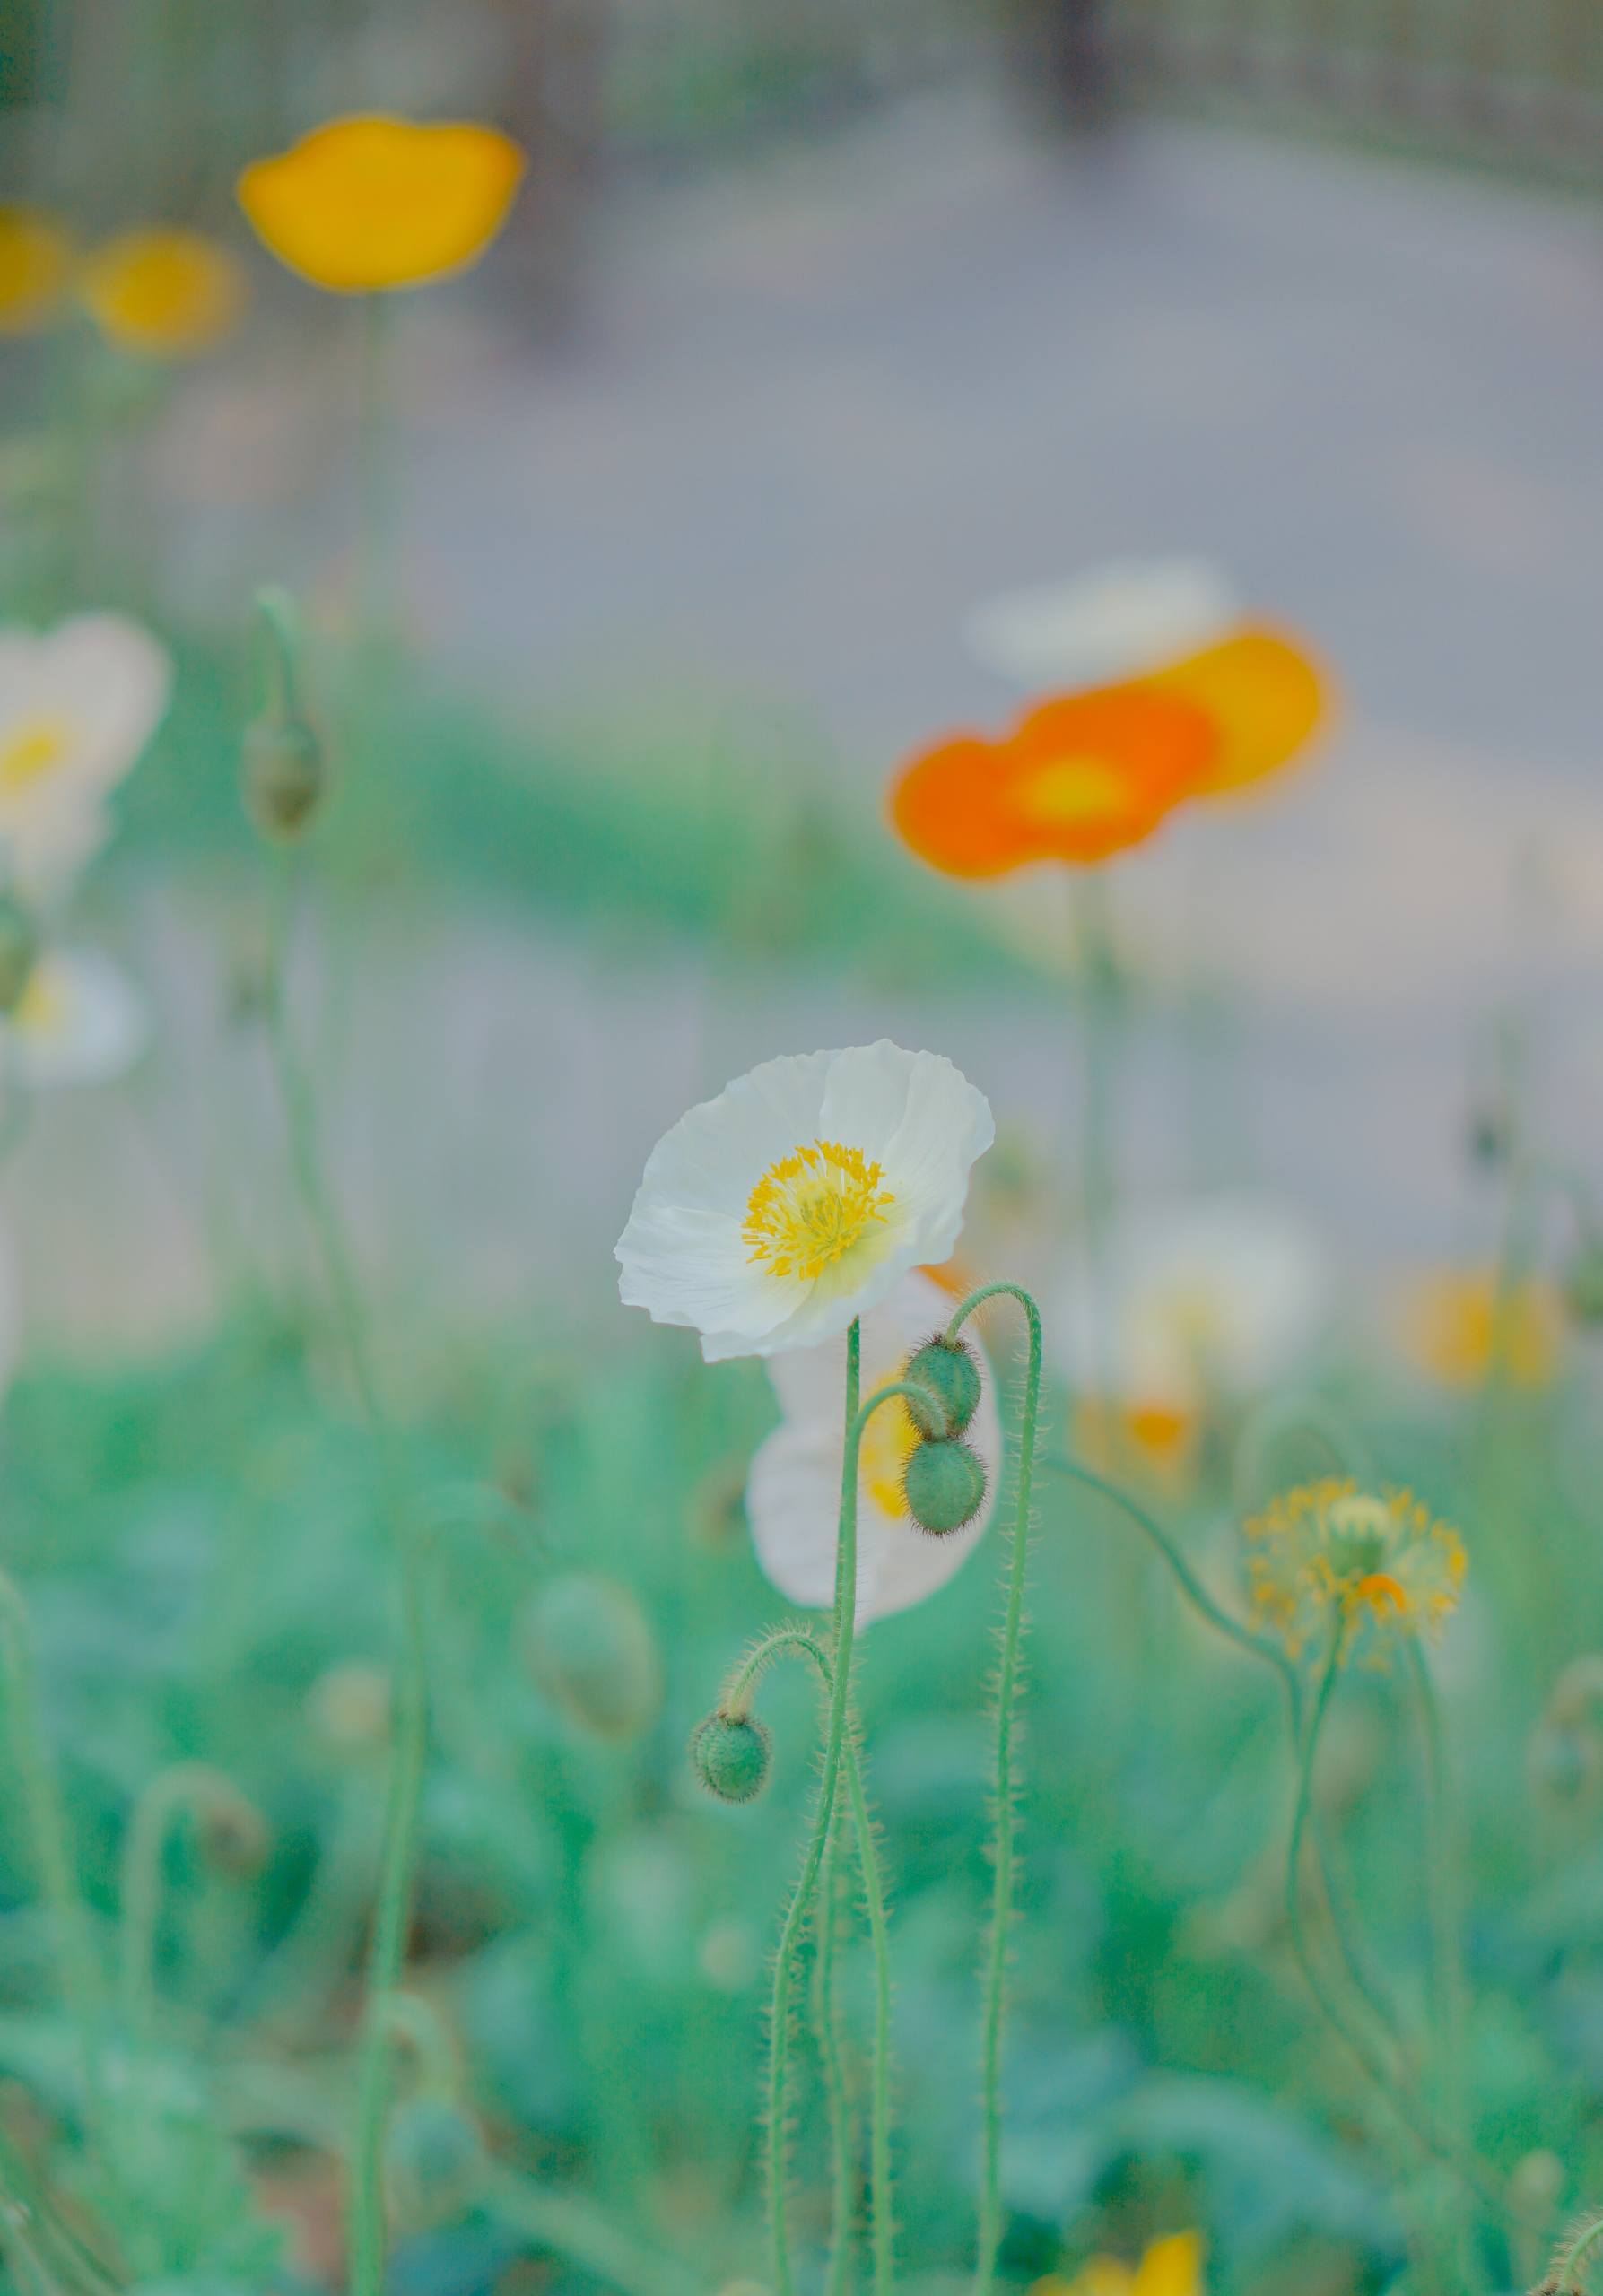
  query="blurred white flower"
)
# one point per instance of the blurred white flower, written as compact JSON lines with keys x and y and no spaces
{"x":770,"y":1216}
{"x":1214,"y":1295}
{"x":793,"y":1495}
{"x":78,"y":705}
{"x":1118,"y":621}
{"x":80,"y":1021}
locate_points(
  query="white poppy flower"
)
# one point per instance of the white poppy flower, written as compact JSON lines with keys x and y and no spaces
{"x":798,"y":1198}
{"x":793,"y":1494}
{"x":78,"y":704}
{"x":80,"y":1022}
{"x":1221,"y":1294}
{"x":1121,"y":621}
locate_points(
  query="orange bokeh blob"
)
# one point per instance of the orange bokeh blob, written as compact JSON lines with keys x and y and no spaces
{"x":1077,"y":780}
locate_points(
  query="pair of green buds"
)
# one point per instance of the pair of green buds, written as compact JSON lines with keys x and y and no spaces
{"x":943,"y":1485}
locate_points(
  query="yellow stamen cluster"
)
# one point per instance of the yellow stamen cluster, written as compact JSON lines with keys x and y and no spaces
{"x":1329,"y":1558}
{"x":812,"y":1208}
{"x":31,"y":752}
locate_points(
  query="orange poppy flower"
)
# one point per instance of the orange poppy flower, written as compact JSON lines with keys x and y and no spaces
{"x":372,"y":203}
{"x":1265,"y":695}
{"x":1077,"y":780}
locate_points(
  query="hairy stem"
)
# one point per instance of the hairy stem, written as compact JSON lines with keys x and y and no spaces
{"x":994,"y":1966}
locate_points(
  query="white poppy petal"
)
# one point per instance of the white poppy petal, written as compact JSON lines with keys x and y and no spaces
{"x":770,"y":1217}
{"x":81,"y":1021}
{"x":1117,"y":620}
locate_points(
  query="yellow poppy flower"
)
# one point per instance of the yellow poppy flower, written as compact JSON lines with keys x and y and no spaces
{"x":165,"y":292}
{"x":1264,"y":694}
{"x":1460,"y":1329}
{"x":1377,"y":1565}
{"x":35,"y":261}
{"x":372,"y":202}
{"x":1170,"y":2268}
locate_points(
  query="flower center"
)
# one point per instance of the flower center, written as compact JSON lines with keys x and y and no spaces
{"x":33,"y":751}
{"x":42,"y":1008}
{"x":1071,"y":789}
{"x":813,"y":1207}
{"x":1381,"y":1593}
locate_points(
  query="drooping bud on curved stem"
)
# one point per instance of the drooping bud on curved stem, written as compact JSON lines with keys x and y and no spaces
{"x":284,"y":770}
{"x":231,"y":1833}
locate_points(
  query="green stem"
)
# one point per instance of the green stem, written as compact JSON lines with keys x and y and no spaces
{"x":80,"y":1975}
{"x":735,"y":1702}
{"x":1447,"y":1988}
{"x":845,"y":1571}
{"x":375,"y":535}
{"x":1565,"y":2277}
{"x":994,"y":1968}
{"x":1274,"y":1426}
{"x":399,"y":1851}
{"x":826,"y":1925}
{"x":187,"y":1786}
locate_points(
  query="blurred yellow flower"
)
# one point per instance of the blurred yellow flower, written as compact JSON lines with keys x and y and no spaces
{"x":1170,"y":2268}
{"x":1330,"y":1556}
{"x":1265,"y":696}
{"x":36,"y":262}
{"x":165,"y":292}
{"x":372,"y":202}
{"x":1459,"y":1328}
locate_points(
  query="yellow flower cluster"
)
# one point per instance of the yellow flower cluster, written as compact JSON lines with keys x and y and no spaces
{"x":1328,"y":1559}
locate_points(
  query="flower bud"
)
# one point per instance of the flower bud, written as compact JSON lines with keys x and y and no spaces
{"x":350,"y":1707}
{"x":947,"y":1368}
{"x":944,"y":1485}
{"x":230,"y":1833}
{"x":1583,"y":1281}
{"x":19,"y":950}
{"x":283,"y":775}
{"x":591,"y":1650}
{"x":434,"y":2158}
{"x":732,"y":1756}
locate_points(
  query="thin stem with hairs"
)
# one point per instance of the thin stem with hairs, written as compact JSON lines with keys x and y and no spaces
{"x":994,"y":1968}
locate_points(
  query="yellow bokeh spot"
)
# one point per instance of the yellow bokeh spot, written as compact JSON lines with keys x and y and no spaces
{"x":373,"y":203}
{"x":813,"y":1207}
{"x":1071,"y":790}
{"x":1266,"y":698}
{"x":31,"y":753}
{"x":42,"y":1009}
{"x":1463,"y":1329}
{"x":165,"y":293}
{"x":36,"y":262}
{"x":1170,"y":2268}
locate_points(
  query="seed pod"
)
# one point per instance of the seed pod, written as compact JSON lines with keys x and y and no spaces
{"x":19,"y":950}
{"x":591,"y":1650}
{"x":944,"y":1485}
{"x":947,"y":1368}
{"x":283,"y":776}
{"x":732,"y":1756}
{"x":1583,"y":1281}
{"x":435,"y":2159}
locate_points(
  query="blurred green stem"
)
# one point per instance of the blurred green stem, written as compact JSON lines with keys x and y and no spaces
{"x":191,"y":1786}
{"x":375,"y":509}
{"x":82,"y":1979}
{"x":827,"y":2040}
{"x":1097,"y":981}
{"x":399,"y":1851}
{"x":1566,"y":2276}
{"x":994,"y":1966}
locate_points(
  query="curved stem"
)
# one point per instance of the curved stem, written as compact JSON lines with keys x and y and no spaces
{"x":994,"y":1968}
{"x":1279,"y":1422}
{"x":1565,"y":2277}
{"x":187,"y":1786}
{"x":81,"y":1977}
{"x":403,"y":1803}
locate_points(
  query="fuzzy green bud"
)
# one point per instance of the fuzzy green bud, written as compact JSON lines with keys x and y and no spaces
{"x":434,"y":2161}
{"x":732,"y":1755}
{"x":947,"y":1368}
{"x":944,"y":1485}
{"x":1583,"y":1281}
{"x":591,"y":1650}
{"x":283,"y":776}
{"x":19,"y":950}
